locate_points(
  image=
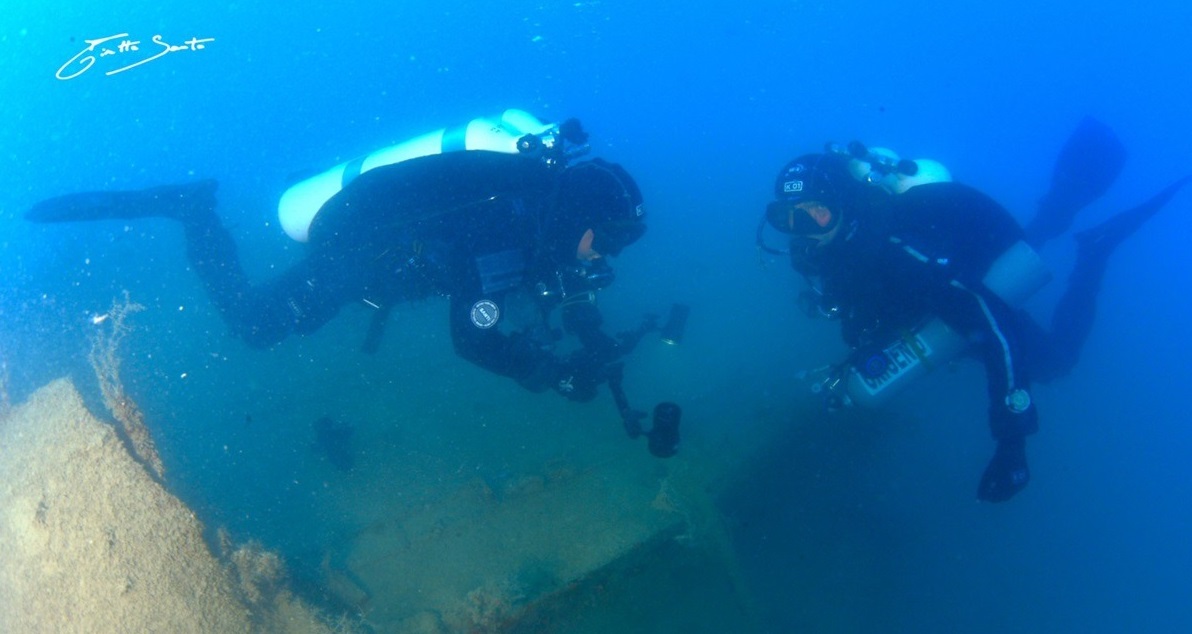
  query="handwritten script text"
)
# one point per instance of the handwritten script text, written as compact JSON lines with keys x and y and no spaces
{"x":125,"y":49}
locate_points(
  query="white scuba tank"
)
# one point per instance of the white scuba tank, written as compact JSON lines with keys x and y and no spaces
{"x":1015,"y":276}
{"x":893,"y":180}
{"x":301,"y":202}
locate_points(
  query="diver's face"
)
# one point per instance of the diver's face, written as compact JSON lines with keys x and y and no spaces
{"x":822,"y":217}
{"x":584,"y":252}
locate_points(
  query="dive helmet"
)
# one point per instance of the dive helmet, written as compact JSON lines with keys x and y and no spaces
{"x":603,"y":197}
{"x":809,"y":178}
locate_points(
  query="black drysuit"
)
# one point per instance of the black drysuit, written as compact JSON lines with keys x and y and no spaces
{"x":923,"y":254}
{"x":473,"y":226}
{"x":898,"y":261}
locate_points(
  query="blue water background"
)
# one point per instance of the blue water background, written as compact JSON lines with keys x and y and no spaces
{"x":875,"y":529}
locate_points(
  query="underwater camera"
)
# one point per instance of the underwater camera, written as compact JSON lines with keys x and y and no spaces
{"x":663,"y":437}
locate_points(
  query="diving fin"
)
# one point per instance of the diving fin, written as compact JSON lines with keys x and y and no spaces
{"x":1088,"y":164}
{"x":1105,"y":237}
{"x":180,"y":202}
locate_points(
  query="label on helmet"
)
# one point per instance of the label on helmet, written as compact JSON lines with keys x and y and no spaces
{"x":792,"y":187}
{"x":485,"y":314}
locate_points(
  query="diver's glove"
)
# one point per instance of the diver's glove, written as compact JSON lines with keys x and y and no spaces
{"x":578,"y":377}
{"x":1007,"y":472}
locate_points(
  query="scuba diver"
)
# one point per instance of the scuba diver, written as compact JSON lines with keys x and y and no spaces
{"x":476,"y":225}
{"x":917,"y":267}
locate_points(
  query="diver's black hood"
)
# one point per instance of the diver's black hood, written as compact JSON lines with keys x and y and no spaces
{"x":600,"y":196}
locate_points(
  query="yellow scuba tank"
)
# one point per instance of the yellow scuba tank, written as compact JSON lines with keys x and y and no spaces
{"x":1015,"y":276}
{"x":301,"y":202}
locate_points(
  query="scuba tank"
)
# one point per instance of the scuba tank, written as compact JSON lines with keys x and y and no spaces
{"x":511,"y":132}
{"x":1014,"y":277}
{"x":882,"y":167}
